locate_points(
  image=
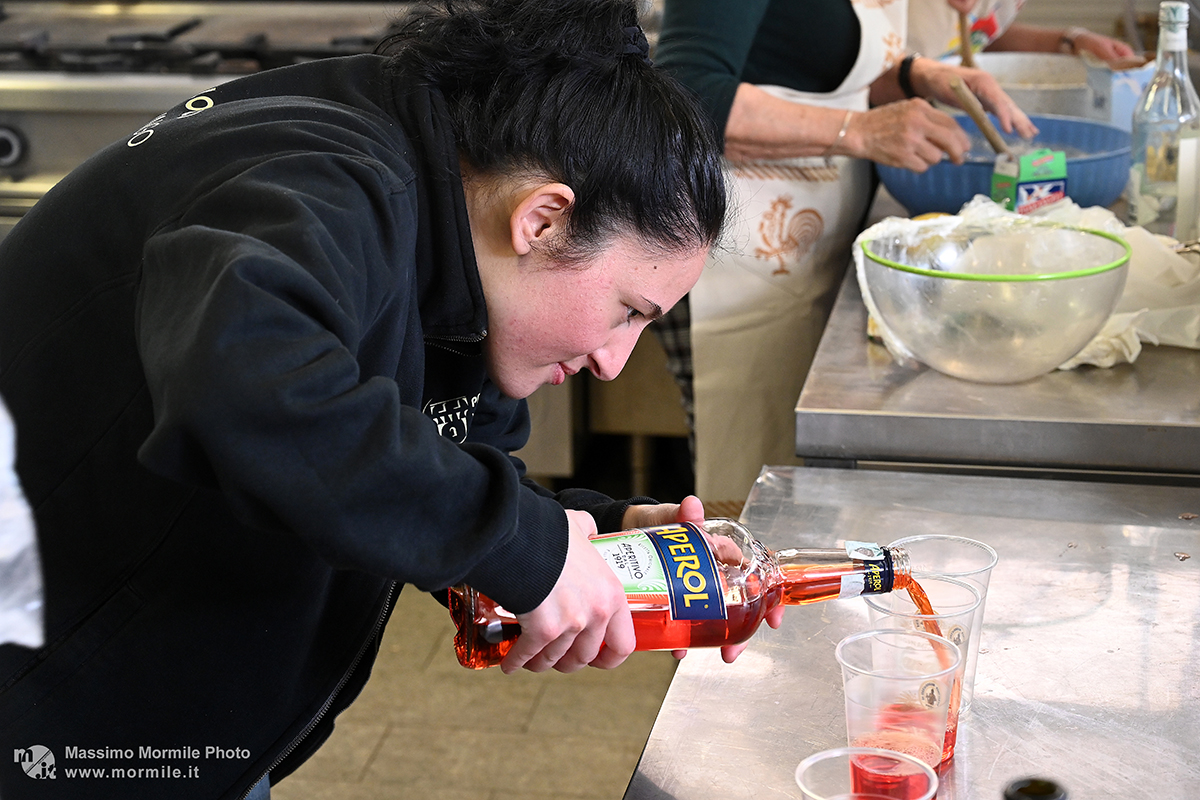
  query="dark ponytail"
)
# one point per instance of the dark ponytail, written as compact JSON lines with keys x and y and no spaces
{"x":561,"y":89}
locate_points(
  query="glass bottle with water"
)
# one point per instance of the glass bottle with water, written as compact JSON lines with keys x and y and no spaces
{"x":1163,"y":187}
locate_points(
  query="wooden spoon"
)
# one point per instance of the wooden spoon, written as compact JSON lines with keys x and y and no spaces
{"x":970,"y":103}
{"x":964,"y":40}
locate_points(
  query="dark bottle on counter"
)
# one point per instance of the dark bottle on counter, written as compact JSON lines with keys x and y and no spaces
{"x":1034,"y":789}
{"x":692,"y":585}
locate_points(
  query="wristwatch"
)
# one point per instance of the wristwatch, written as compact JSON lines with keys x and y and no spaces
{"x":904,"y":77}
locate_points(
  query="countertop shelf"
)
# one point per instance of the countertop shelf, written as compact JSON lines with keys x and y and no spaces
{"x":859,"y":405}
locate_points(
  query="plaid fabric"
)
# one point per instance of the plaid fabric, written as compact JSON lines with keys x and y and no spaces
{"x":723,"y":508}
{"x":674,"y":332}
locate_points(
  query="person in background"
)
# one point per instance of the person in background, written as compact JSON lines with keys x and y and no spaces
{"x":268,"y":357}
{"x":805,"y":95}
{"x":933,"y":29}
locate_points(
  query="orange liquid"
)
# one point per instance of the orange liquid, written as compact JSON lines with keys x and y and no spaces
{"x":812,"y":583}
{"x":653,"y":628}
{"x":921,"y":600}
{"x":875,"y":776}
{"x":911,"y":743}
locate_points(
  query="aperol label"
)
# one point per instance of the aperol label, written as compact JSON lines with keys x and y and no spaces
{"x":667,"y":564}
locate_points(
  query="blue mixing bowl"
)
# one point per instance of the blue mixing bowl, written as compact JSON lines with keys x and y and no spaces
{"x":1094,"y":179}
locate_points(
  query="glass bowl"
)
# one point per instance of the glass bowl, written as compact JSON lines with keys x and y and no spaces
{"x":1000,"y":304}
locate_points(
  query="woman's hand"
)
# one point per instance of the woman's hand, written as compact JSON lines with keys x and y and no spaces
{"x":931,"y":78}
{"x":584,"y":620}
{"x":1102,"y":47}
{"x":774,"y":618}
{"x":907,"y":133}
{"x":1022,"y":38}
{"x":690,"y":510}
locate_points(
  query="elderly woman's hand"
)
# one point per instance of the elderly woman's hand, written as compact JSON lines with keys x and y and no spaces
{"x":931,"y":78}
{"x":907,"y":133}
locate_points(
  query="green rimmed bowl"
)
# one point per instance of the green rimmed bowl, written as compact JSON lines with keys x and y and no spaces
{"x":995,"y":306}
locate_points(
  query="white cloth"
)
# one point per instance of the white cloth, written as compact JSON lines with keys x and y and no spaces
{"x":933,"y":25}
{"x":1161,"y":301}
{"x":20,"y":567}
{"x":764,"y":297}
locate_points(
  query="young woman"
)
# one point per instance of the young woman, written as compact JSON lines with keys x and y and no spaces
{"x":266,"y":359}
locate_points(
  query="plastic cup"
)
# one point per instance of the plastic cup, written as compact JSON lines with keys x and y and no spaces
{"x":943,"y":555}
{"x":954,"y":603}
{"x":865,"y":773}
{"x":898,"y":686}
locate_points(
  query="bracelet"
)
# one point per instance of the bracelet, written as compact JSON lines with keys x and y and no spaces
{"x":905,"y":75}
{"x":841,"y":134}
{"x":1066,"y":42}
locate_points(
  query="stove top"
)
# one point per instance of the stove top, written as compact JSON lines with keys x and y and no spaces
{"x":193,"y":38}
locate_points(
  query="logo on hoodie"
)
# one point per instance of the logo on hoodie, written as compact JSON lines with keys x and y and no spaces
{"x":453,"y":417}
{"x":194,"y":106}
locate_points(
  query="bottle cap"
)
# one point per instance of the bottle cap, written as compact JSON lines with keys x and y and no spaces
{"x":1034,"y":789}
{"x":1172,"y":12}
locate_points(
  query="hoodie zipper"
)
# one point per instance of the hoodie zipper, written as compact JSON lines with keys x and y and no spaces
{"x":448,"y":342}
{"x":329,"y":700}
{"x":468,"y":337}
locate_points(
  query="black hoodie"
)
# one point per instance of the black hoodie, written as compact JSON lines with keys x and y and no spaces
{"x":243,"y":352}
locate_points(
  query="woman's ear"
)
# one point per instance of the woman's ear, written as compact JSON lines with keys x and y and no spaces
{"x":539,"y":215}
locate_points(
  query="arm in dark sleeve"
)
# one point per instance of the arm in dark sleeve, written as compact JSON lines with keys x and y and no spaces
{"x":704,"y":44}
{"x":504,"y":423}
{"x":252,"y":308}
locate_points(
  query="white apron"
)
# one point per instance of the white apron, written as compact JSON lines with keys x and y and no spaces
{"x":764,"y":297}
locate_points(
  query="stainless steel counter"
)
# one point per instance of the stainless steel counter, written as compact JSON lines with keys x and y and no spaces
{"x":1088,"y":663}
{"x":858,"y":405}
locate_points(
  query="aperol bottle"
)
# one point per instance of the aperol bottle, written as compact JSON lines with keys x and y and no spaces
{"x":692,"y":585}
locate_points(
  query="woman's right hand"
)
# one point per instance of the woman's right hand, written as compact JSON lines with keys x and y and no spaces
{"x":584,"y":620}
{"x":907,"y":133}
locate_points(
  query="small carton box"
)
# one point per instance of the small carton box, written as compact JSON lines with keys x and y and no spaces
{"x":1026,"y":183}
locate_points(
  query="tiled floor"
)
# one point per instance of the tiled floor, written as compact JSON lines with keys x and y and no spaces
{"x":424,"y":727}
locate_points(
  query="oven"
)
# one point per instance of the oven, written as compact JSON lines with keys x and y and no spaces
{"x":75,"y":77}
